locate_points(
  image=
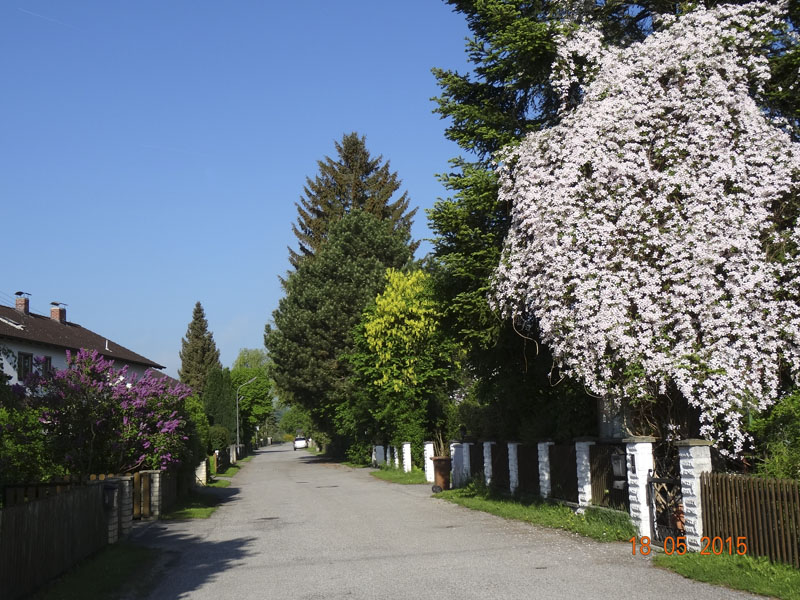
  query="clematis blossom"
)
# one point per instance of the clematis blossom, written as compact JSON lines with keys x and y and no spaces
{"x":654,"y":230}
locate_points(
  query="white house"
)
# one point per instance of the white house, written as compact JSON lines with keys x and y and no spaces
{"x":25,"y":335}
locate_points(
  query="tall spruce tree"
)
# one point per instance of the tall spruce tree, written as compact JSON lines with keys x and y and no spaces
{"x":199,"y":354}
{"x":312,"y":327}
{"x":353,"y":181}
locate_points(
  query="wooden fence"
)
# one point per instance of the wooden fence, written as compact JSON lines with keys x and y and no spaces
{"x":42,"y":539}
{"x":766,"y":512}
{"x":476,"y":458}
{"x":500,"y":474}
{"x":528,"y":468}
{"x":609,"y":476}
{"x":563,"y":472}
{"x":14,"y":495}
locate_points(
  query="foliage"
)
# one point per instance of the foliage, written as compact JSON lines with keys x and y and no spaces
{"x":662,"y":259}
{"x":354,"y":181}
{"x":219,"y":438}
{"x":255,"y":403}
{"x":777,"y":434}
{"x":295,"y":419}
{"x":602,"y":525}
{"x":756,"y":575}
{"x":507,"y":95}
{"x":199,"y":354}
{"x":220,"y":399}
{"x":96,"y":419}
{"x":324,"y":300}
{"x":200,"y":438}
{"x":404,"y":367}
{"x":251,"y":358}
{"x":23,"y":453}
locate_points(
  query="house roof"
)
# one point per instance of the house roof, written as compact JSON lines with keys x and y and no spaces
{"x":40,"y":329}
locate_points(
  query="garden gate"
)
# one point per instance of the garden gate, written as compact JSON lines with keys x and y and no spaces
{"x":664,"y":494}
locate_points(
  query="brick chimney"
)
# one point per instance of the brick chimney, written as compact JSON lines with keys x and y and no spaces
{"x":58,"y":312}
{"x":23,"y":305}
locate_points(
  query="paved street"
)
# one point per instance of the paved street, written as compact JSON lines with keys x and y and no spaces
{"x":297,"y":527}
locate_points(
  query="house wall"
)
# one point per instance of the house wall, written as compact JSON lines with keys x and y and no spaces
{"x":58,"y":357}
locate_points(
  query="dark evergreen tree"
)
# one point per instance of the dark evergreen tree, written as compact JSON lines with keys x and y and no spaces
{"x":199,"y":354}
{"x":219,"y":399}
{"x":324,"y":300}
{"x":352,"y":181}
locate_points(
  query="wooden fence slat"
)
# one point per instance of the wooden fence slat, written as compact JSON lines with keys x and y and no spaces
{"x":753,"y":541}
{"x":146,"y":495}
{"x":797,"y":517}
{"x":137,"y":495}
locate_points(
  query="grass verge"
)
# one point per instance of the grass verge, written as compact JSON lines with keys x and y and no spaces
{"x":230,"y":471}
{"x":195,"y":505}
{"x":603,"y":525}
{"x":112,"y":573}
{"x":219,"y":483}
{"x":246,"y":459}
{"x":416,"y":476}
{"x":756,"y":575}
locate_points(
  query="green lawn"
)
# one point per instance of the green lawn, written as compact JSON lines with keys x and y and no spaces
{"x":756,"y":575}
{"x":111,"y":574}
{"x":230,"y":471}
{"x":603,"y":525}
{"x":195,"y":505}
{"x":416,"y":476}
{"x":219,"y":483}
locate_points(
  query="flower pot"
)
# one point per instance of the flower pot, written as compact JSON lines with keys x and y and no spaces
{"x":441,"y":472}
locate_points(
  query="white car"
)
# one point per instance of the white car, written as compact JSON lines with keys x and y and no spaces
{"x":300,"y":442}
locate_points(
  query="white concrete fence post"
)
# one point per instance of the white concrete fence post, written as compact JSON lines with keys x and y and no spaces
{"x":543,"y":451}
{"x":584,"y":471}
{"x":407,"y":457}
{"x":374,"y":458}
{"x":396,"y":456}
{"x":513,"y":467}
{"x":695,"y":459}
{"x":487,"y":462}
{"x":640,"y":464}
{"x":428,"y":454}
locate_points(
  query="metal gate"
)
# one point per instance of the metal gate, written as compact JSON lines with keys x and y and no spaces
{"x":664,"y":495}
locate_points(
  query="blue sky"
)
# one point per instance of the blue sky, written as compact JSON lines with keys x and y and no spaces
{"x":151,"y":152}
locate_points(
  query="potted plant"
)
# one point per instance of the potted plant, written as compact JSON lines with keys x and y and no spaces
{"x":442,"y":463}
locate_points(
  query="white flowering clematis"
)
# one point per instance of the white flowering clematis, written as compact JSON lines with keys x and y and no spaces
{"x":654,"y":236}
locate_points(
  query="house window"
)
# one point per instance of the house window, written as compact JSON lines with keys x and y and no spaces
{"x":24,"y":365}
{"x":47,"y":365}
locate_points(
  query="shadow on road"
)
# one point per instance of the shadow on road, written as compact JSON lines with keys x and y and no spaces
{"x":188,"y":562}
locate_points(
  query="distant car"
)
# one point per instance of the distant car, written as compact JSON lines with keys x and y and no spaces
{"x":300,"y":442}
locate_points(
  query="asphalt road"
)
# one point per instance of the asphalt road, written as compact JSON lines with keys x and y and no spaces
{"x":295,"y":527}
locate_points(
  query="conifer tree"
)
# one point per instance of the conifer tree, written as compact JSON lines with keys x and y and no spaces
{"x":325,"y":297}
{"x":354,"y":180}
{"x":199,"y":353}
